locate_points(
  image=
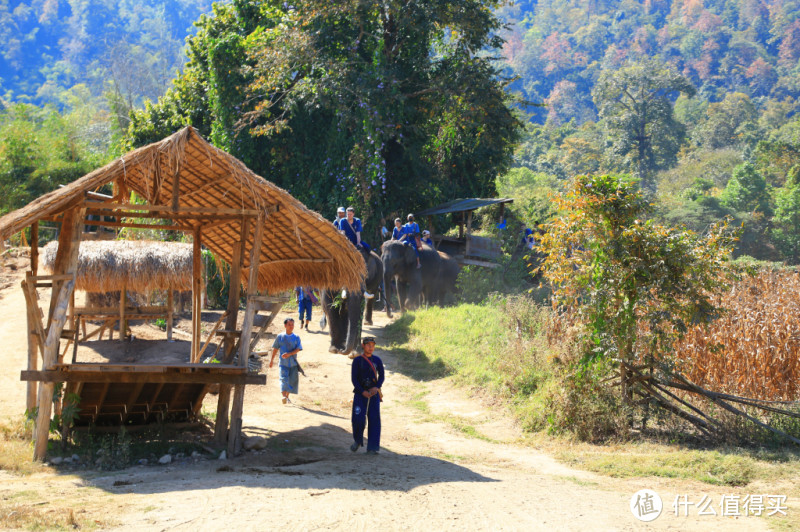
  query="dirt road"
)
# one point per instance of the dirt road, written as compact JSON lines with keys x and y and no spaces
{"x":429,"y":475}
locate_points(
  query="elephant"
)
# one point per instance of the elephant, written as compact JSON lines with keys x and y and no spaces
{"x":400,"y":265}
{"x":343,"y":309}
{"x":445,"y":283}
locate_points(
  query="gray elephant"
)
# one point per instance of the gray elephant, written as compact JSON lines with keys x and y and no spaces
{"x":400,"y":267}
{"x":445,"y":283}
{"x":344,"y":309}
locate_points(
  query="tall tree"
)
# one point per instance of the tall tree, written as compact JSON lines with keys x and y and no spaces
{"x":636,"y":106}
{"x":358,"y":101}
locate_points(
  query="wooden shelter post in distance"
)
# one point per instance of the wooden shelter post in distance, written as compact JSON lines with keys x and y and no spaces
{"x":268,"y":237}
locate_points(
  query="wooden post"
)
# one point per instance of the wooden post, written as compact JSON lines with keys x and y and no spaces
{"x":234,"y":286}
{"x":235,"y":433}
{"x":468,"y":233}
{"x":33,"y":340}
{"x":461,"y":226}
{"x":170,"y":311}
{"x":35,"y":248}
{"x":123,"y":301}
{"x":66,"y":263}
{"x":197,"y":281}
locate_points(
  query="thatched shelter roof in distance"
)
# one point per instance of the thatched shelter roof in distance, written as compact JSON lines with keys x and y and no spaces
{"x":140,"y":266}
{"x":299,"y":246}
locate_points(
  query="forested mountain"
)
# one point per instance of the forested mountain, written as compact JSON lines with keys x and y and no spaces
{"x":130,"y":49}
{"x":696,"y":98}
{"x":559,"y":48}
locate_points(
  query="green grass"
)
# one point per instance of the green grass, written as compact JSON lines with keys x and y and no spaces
{"x":499,"y":347}
{"x":482,"y":347}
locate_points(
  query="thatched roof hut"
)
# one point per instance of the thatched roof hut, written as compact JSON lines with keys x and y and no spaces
{"x":190,"y":178}
{"x":139,"y":266}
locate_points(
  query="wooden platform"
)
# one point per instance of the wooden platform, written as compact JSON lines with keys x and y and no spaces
{"x":113,"y":394}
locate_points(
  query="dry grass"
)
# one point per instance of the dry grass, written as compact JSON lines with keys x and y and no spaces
{"x":38,"y":516}
{"x":753,"y":350}
{"x":143,"y":266}
{"x":16,"y":447}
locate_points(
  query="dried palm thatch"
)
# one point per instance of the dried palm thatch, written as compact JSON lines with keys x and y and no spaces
{"x":140,"y":266}
{"x":299,"y":246}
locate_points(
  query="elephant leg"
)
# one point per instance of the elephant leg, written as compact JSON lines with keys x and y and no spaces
{"x":336,"y":327}
{"x":353,"y":314}
{"x":368,"y":311}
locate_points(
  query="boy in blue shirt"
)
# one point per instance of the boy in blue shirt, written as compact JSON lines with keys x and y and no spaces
{"x":289,"y":345}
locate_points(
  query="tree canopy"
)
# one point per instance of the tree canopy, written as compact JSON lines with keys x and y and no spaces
{"x":386,"y":105}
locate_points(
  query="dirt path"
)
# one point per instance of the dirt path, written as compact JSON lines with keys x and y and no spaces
{"x":429,"y":475}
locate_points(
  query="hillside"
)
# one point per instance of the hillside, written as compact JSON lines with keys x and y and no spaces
{"x":560,"y":47}
{"x":131,"y":47}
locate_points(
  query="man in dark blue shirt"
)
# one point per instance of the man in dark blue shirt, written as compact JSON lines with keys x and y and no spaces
{"x":367,"y":377}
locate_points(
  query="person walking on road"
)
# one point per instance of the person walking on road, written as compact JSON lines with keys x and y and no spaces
{"x":367,"y":377}
{"x":289,"y":345}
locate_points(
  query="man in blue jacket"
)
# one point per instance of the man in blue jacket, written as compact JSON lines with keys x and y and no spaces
{"x":367,"y":377}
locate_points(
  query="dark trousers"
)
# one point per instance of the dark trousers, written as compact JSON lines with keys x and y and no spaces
{"x":304,"y":307}
{"x":362,"y":412}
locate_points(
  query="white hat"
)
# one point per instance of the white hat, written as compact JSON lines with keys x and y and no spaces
{"x":426,"y":232}
{"x":340,"y":209}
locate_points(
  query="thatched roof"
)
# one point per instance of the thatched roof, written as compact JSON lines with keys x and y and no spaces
{"x":139,"y":266}
{"x":299,"y":246}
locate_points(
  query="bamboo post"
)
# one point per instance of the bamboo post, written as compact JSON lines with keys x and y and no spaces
{"x":170,"y":311}
{"x":35,"y":248}
{"x":197,"y":281}
{"x":33,"y":341}
{"x":234,"y":286}
{"x":123,"y":301}
{"x":33,"y":356}
{"x":235,"y":433}
{"x":468,"y":232}
{"x":66,"y":263}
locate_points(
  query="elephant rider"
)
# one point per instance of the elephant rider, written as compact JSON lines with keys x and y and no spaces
{"x":410,"y":236}
{"x":397,"y":232}
{"x":426,"y":238}
{"x":340,"y":213}
{"x":351,"y":228}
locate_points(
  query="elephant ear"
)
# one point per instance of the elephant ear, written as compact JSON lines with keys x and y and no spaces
{"x":410,"y":257}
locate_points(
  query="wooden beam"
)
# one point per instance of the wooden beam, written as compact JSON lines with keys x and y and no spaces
{"x":176,"y":187}
{"x":197,"y":289}
{"x":52,"y":376}
{"x":168,"y":209}
{"x":159,"y":227}
{"x":161,"y":215}
{"x":235,"y":433}
{"x":170,"y":311}
{"x":468,"y":233}
{"x":35,"y":248}
{"x":234,"y":287}
{"x":123,"y":302}
{"x":204,"y":186}
{"x":66,"y":263}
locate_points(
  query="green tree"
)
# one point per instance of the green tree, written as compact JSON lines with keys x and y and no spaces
{"x":362,"y":102}
{"x":787,"y":218}
{"x":625,"y":274}
{"x":747,"y":191}
{"x":635,"y":104}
